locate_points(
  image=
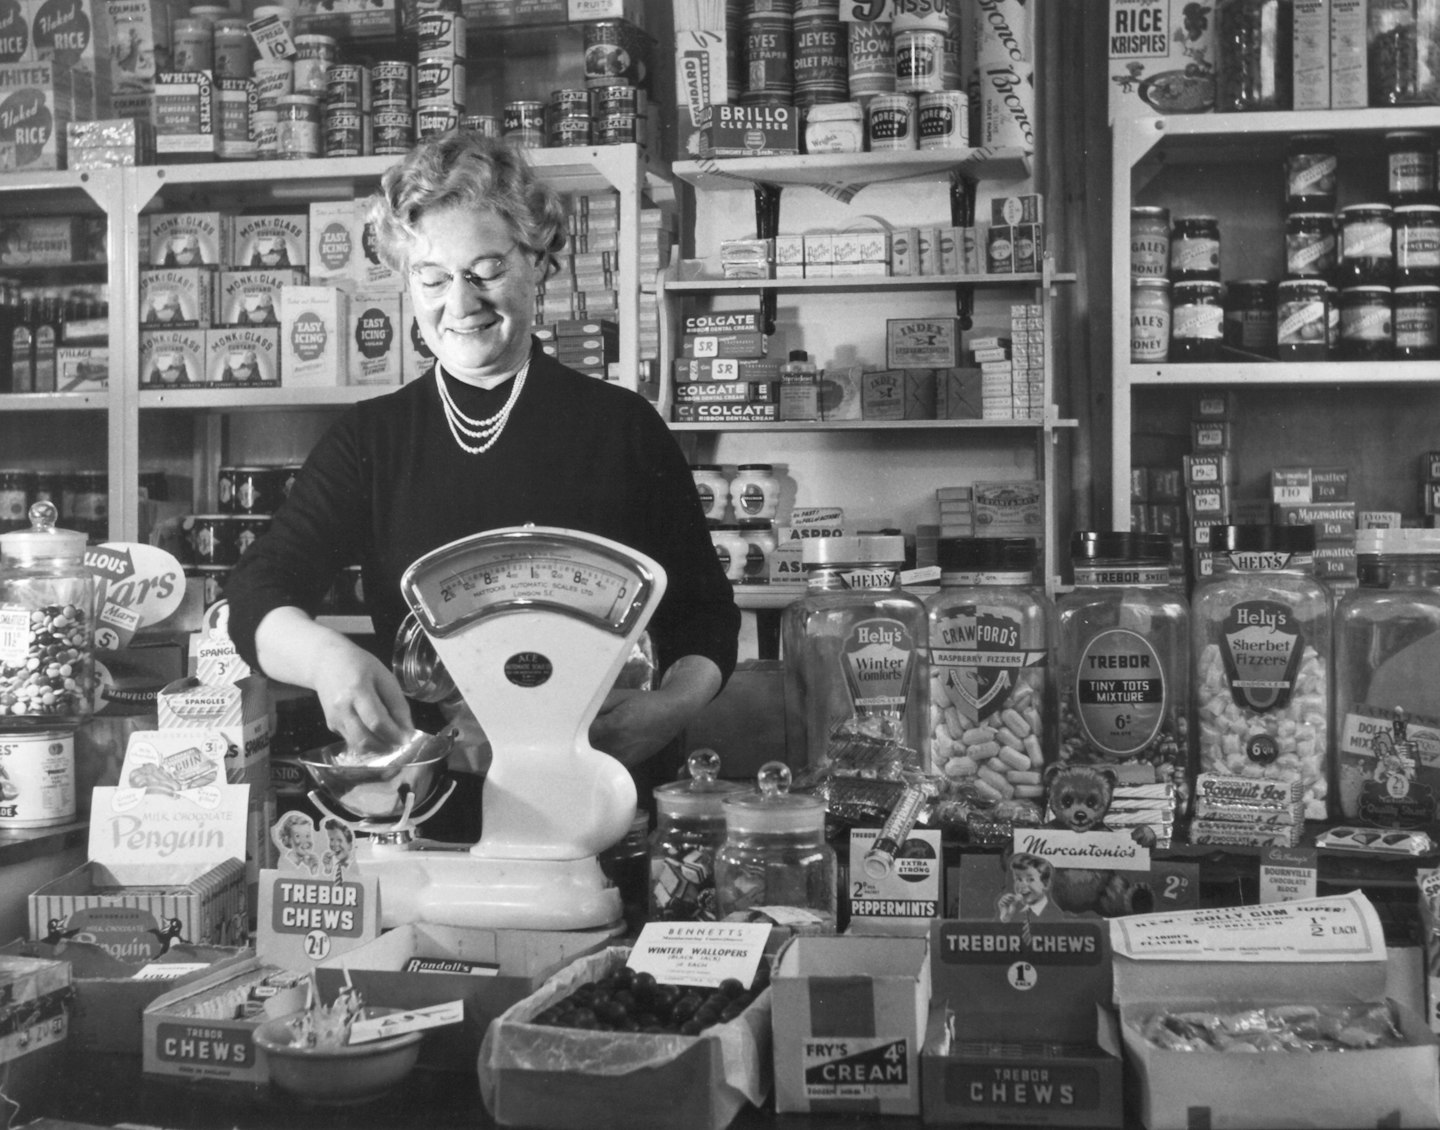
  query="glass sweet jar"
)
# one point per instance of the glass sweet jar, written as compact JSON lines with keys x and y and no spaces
{"x":47,"y":625}
{"x":689,"y":830}
{"x":775,"y":865}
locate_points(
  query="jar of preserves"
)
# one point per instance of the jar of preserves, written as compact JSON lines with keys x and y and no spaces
{"x":1387,"y":650}
{"x":1332,"y":323}
{"x":689,"y":830}
{"x":989,"y":638}
{"x":1302,"y":320}
{"x":1250,"y":316}
{"x":47,"y":626}
{"x":1366,"y":324}
{"x":853,"y":646}
{"x":1367,"y":254}
{"x":1310,"y":167}
{"x":1417,"y":244}
{"x":775,"y":862}
{"x":1195,"y":249}
{"x":713,"y":488}
{"x":1402,"y":40}
{"x":1149,"y":242}
{"x":759,"y":537}
{"x":1122,"y":655}
{"x":1410,"y":167}
{"x":1149,"y":321}
{"x":1261,"y":631}
{"x":755,"y":491}
{"x":1197,"y":321}
{"x":1417,"y":323}
{"x":1254,"y":45}
{"x":1311,"y":250}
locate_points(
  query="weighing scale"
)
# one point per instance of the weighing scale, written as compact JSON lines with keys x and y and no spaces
{"x":532,"y":624}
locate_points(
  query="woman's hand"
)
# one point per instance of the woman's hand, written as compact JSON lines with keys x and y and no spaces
{"x":633,"y":725}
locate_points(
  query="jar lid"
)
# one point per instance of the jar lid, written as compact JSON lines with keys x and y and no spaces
{"x":1282,"y":539}
{"x":1365,"y":208}
{"x":1411,"y":209}
{"x":1258,"y":284}
{"x":765,"y":467}
{"x":1407,"y":135}
{"x":833,"y":112}
{"x":297,"y":100}
{"x":1401,"y":541}
{"x":1305,"y":284}
{"x":704,"y":466}
{"x":799,"y":355}
{"x":772,"y":807}
{"x":756,"y":524}
{"x":1311,"y":216}
{"x":1197,"y":284}
{"x":43,"y":540}
{"x":1151,"y":281}
{"x":1362,"y":291}
{"x":1000,"y":555}
{"x":1150,"y":210}
{"x":856,"y":549}
{"x":232,"y":24}
{"x":316,"y":38}
{"x":1418,"y":288}
{"x":702,"y":793}
{"x":1196,"y":220}
{"x":1121,"y":545}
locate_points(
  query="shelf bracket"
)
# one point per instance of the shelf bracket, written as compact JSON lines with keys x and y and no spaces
{"x":767,"y":226}
{"x":962,"y":215}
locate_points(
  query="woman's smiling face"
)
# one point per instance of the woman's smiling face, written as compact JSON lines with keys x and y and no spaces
{"x":479,"y":331}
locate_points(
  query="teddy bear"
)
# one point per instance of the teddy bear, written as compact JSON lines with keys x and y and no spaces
{"x":1079,"y":796}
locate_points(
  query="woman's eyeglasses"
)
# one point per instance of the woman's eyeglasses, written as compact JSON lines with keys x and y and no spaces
{"x":435,"y":282}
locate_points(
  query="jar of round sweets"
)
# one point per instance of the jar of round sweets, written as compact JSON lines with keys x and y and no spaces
{"x":1302,"y":320}
{"x":1410,"y":167}
{"x":854,"y":647}
{"x":1122,"y":653}
{"x":1417,"y":323}
{"x":689,"y":831}
{"x":731,"y":549}
{"x":775,"y":864}
{"x":1311,"y":247}
{"x":1254,"y":56}
{"x":1387,"y":650}
{"x":755,"y":491}
{"x":1195,"y":249}
{"x":1261,"y":631}
{"x":1366,"y":321}
{"x":1367,"y":254}
{"x":713,"y":488}
{"x":1250,"y":316}
{"x":989,"y":640}
{"x":759,"y":537}
{"x":1149,"y":321}
{"x":1149,"y":242}
{"x":1310,"y":167}
{"x":1417,"y":244}
{"x":1197,"y":320}
{"x":835,"y":127}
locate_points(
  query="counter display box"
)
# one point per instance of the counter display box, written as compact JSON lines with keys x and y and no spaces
{"x":1306,"y":960}
{"x":425,"y":964}
{"x":574,"y":1079}
{"x":34,"y":1024}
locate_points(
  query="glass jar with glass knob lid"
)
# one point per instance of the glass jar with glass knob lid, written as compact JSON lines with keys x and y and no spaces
{"x":689,"y":830}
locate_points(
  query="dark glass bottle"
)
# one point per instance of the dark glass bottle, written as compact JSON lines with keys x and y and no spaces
{"x":46,"y":340}
{"x":22,"y":347}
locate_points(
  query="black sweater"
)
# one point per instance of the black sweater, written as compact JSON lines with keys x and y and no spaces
{"x":388,"y":483}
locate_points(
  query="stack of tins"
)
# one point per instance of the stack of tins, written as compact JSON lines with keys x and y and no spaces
{"x":617,"y":79}
{"x":439,"y":70}
{"x":348,"y":111}
{"x":392,"y":100}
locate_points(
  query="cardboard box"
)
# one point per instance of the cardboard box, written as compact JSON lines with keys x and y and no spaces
{"x":242,"y":355}
{"x":922,"y":343}
{"x":35,"y":1020}
{"x":82,"y":368}
{"x":849,"y":1018}
{"x":252,"y":298}
{"x":177,"y":297}
{"x":42,"y":98}
{"x":269,"y":242}
{"x":751,"y":131}
{"x":187,"y":105}
{"x":181,"y":239}
{"x":1324,"y":951}
{"x":532,"y":1076}
{"x":314,"y":352}
{"x":239,"y":712}
{"x":381,"y":970}
{"x":172,"y":358}
{"x":374,"y":331}
{"x":1160,"y":63}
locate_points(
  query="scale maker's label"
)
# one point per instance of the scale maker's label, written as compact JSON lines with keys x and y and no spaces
{"x":852,"y":1068}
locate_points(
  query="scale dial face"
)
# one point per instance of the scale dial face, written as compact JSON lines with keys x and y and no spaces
{"x":528,"y":569}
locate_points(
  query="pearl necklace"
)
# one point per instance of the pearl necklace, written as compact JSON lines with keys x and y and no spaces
{"x":487,"y":430}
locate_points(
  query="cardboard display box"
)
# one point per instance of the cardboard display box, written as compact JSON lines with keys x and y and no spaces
{"x":570,"y":1079}
{"x":426,"y":964}
{"x":1324,"y":951}
{"x":35,"y":1004}
{"x":849,"y":1019}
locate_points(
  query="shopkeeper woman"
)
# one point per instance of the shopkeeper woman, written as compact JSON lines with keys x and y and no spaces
{"x":500,"y":435}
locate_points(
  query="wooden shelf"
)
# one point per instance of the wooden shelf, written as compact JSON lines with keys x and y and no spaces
{"x":216,"y":398}
{"x":854,"y":170}
{"x":865,"y":425}
{"x":710,"y":285}
{"x":1306,"y":374}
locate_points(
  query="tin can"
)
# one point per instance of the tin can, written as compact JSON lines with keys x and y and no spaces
{"x":313,"y":56}
{"x":618,"y":51}
{"x":432,"y":121}
{"x":232,"y":49}
{"x":37,"y":778}
{"x":211,"y":538}
{"x":767,"y":59}
{"x":234,"y":135}
{"x":273,"y":78}
{"x":570,"y":103}
{"x":821,"y":62}
{"x":347,"y":86}
{"x":1149,"y":242}
{"x":1302,"y":320}
{"x":944,"y":120}
{"x":265,"y":125}
{"x":618,"y":129}
{"x":392,"y":132}
{"x":568,"y":131}
{"x":1149,"y":320}
{"x":248,"y":527}
{"x":486,"y":125}
{"x":616,"y":99}
{"x":524,"y":124}
{"x":346,"y":132}
{"x":192,"y":45}
{"x":871,"y":60}
{"x":392,"y":85}
{"x":297,"y":127}
{"x":257,"y":490}
{"x":440,"y":32}
{"x":918,"y":59}
{"x":890,"y":122}
{"x":440,"y":81}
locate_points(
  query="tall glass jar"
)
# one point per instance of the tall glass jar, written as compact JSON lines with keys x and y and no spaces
{"x":1262,"y":627}
{"x":1254,"y":41}
{"x":1122,"y":658}
{"x":689,"y":829}
{"x":989,"y":645}
{"x":1387,"y":653}
{"x":47,"y":626}
{"x":775,"y":863}
{"x":853,"y":645}
{"x":1402,"y":45}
